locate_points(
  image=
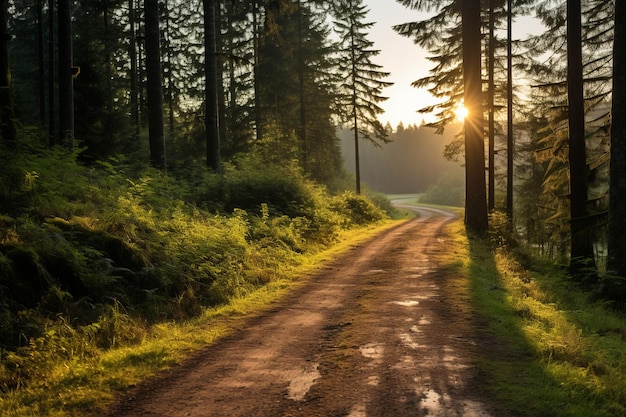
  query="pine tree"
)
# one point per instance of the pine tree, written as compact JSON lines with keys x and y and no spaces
{"x":7,"y":115}
{"x":617,"y":202}
{"x":475,"y":194}
{"x":549,"y":98}
{"x":66,"y":84}
{"x":154,"y":85}
{"x":212,"y":120}
{"x":360,"y":92}
{"x":582,"y":244}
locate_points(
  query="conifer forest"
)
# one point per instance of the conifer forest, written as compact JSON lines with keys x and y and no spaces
{"x":159,"y":158}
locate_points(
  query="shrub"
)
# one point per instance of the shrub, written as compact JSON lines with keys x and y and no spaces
{"x":448,"y":191}
{"x":356,"y":210}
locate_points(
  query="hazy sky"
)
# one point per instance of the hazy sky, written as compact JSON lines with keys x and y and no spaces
{"x":402,"y":58}
{"x":406,"y":61}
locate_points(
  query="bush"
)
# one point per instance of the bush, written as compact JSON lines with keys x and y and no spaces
{"x":96,"y":260}
{"x":448,"y":191}
{"x":356,"y":210}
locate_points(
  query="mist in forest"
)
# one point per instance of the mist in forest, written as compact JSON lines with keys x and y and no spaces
{"x":409,"y":164}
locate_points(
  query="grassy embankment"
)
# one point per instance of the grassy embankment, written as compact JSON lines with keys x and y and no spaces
{"x":549,"y":348}
{"x":111,"y":273}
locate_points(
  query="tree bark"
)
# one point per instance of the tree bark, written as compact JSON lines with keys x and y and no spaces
{"x":617,"y":202}
{"x":491,"y":195}
{"x":51,"y":78}
{"x":41,"y":71}
{"x":154,"y":87}
{"x":212,"y":119}
{"x":475,"y":187}
{"x":66,"y":83}
{"x":132,"y":55}
{"x":7,"y":117}
{"x":510,"y":144}
{"x":582,"y":245}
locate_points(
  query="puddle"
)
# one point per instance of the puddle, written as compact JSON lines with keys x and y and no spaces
{"x":375,"y":271}
{"x":408,"y":303}
{"x":408,"y":341}
{"x":373,"y":380}
{"x":372,"y":351}
{"x":420,"y":268}
{"x":302,"y":382}
{"x":431,"y":401}
{"x":358,"y":411}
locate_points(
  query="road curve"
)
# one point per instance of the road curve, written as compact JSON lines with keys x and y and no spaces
{"x":375,"y":333}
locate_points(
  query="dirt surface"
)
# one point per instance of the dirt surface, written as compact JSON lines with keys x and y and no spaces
{"x":379,"y":332}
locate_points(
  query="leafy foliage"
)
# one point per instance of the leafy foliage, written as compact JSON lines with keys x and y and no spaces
{"x":91,"y":255}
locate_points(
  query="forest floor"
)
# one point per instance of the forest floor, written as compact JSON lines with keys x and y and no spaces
{"x":384,"y":330}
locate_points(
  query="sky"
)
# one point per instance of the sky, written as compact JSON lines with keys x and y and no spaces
{"x":402,"y":58}
{"x":408,"y":62}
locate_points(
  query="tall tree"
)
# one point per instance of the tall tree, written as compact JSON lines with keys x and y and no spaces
{"x":154,"y":86}
{"x":66,"y":83}
{"x":491,"y":58}
{"x":360,"y":92}
{"x":548,"y":109}
{"x":475,"y":194}
{"x":7,"y":116}
{"x":510,"y":145}
{"x":212,"y":118}
{"x":582,"y":245}
{"x":617,"y":202}
{"x":51,"y":77}
{"x":41,"y":69}
{"x":134,"y":75}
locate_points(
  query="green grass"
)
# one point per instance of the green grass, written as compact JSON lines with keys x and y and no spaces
{"x":548,"y":348}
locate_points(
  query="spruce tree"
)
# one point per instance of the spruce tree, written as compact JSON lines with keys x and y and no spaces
{"x":360,"y":92}
{"x":211,"y":117}
{"x":154,"y":85}
{"x":475,"y":187}
{"x":617,"y":202}
{"x":7,"y":116}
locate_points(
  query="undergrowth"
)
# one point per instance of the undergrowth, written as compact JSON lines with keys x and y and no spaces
{"x":550,"y":347}
{"x":104,"y":259}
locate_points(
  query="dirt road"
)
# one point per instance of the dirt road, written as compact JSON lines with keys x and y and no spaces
{"x":375,"y":333}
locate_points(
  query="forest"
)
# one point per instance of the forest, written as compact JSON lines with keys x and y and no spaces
{"x":162,"y":157}
{"x":410,"y":163}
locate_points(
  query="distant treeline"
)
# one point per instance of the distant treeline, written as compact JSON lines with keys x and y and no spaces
{"x":412,"y":162}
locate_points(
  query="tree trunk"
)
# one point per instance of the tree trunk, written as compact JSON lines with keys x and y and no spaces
{"x":490,"y":97}
{"x":51,"y":78}
{"x":170,"y":80}
{"x":257,"y":89}
{"x":212,"y":120}
{"x":41,"y":71}
{"x":582,"y":245}
{"x":475,"y":187}
{"x":510,"y":145}
{"x":7,"y":117}
{"x":221,"y":92}
{"x":154,"y":87}
{"x":301,"y":94}
{"x":66,"y":83}
{"x":617,"y":202}
{"x":132,"y":54}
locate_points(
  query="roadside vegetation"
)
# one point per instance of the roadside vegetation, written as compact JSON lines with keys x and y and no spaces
{"x":548,"y":346}
{"x":112,"y":272}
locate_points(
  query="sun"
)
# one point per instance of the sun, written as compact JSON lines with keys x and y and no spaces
{"x":461,"y":112}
